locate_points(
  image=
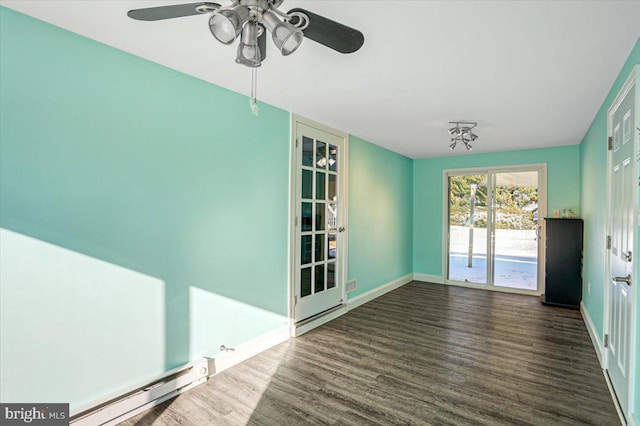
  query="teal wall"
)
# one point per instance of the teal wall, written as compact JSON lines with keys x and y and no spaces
{"x":380,"y":215}
{"x":112,"y":156}
{"x":563,"y":192}
{"x":594,"y":171}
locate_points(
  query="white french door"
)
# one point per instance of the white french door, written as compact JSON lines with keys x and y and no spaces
{"x":493,"y":223}
{"x":622,"y":202}
{"x":319,"y":197}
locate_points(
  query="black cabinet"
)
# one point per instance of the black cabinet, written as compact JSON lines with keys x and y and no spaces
{"x":563,"y":267}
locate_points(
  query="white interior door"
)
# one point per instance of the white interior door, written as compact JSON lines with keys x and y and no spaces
{"x":621,"y":220}
{"x":320,"y":218}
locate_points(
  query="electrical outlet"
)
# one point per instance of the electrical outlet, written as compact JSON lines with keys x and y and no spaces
{"x":589,"y":287}
{"x":352,"y":285}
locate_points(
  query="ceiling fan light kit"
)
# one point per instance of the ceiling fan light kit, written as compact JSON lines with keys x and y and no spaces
{"x":462,"y":133}
{"x":249,"y":53}
{"x":286,"y":37}
{"x":250,"y":20}
{"x":226,"y":24}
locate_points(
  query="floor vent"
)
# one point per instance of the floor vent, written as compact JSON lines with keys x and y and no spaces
{"x":167,"y":386}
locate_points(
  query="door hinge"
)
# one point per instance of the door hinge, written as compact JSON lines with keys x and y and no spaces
{"x":296,"y":142}
{"x":608,"y":242}
{"x":295,"y":300}
{"x":610,"y":143}
{"x":606,"y":340}
{"x":295,"y":222}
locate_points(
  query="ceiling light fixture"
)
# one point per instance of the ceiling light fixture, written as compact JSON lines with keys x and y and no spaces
{"x":462,"y":133}
{"x":249,"y":19}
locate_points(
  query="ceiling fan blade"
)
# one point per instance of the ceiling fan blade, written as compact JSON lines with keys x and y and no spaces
{"x":330,"y":33}
{"x":168,"y":12}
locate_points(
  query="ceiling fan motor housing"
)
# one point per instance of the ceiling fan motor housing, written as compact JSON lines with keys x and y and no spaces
{"x":257,"y":7}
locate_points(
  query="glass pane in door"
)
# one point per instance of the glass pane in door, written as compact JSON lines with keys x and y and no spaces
{"x":321,"y":155}
{"x":307,"y":182}
{"x":331,"y":254}
{"x":468,"y":228}
{"x":320,"y":185}
{"x":331,"y":275}
{"x":319,"y":286}
{"x":516,"y":223}
{"x":333,"y":158}
{"x":305,"y":249}
{"x":333,"y":187}
{"x":307,"y":151}
{"x":305,"y":282}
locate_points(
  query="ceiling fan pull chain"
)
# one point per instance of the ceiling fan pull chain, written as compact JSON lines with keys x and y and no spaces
{"x":253,"y":101}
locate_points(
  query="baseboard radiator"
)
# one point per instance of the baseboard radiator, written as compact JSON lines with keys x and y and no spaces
{"x":167,"y":386}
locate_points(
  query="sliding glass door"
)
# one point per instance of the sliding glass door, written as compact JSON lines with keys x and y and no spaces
{"x":515,"y":230}
{"x":493,"y":226}
{"x":468,"y":228}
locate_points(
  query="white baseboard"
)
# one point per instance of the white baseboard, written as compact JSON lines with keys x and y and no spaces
{"x":616,"y":403}
{"x":361,"y":299}
{"x":593,"y":332}
{"x":247,"y":350}
{"x":427,"y":278}
{"x":632,"y":420}
{"x":599,"y":348}
{"x":113,"y":411}
{"x":308,"y":325}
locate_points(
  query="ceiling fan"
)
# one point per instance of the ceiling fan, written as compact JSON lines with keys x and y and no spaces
{"x":252,"y":19}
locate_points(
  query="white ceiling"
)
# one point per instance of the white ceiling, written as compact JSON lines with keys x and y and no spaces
{"x":533,"y":74}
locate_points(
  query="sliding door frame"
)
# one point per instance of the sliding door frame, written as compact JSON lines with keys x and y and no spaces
{"x":541,"y":168}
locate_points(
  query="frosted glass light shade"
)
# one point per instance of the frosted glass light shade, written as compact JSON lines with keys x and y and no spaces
{"x":286,"y":37}
{"x":226,"y":24}
{"x":248,"y":50}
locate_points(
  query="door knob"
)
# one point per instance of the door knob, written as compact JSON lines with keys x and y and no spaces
{"x":626,"y":279}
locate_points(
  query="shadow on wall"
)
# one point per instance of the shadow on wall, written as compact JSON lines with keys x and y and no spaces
{"x":87,"y":328}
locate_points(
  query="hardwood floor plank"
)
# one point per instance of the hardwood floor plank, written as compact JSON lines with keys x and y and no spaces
{"x":423,"y":354}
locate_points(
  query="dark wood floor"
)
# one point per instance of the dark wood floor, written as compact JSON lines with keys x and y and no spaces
{"x":422,"y":354}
